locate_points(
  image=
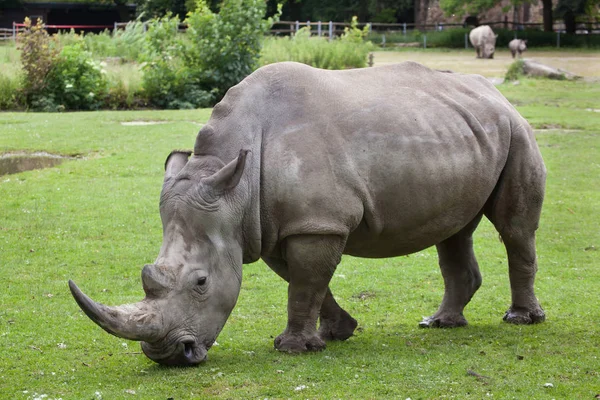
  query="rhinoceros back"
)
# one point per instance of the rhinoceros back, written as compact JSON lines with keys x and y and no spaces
{"x":482,"y":35}
{"x":396,"y":158}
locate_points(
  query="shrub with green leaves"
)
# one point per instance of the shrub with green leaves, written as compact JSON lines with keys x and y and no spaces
{"x":217,"y":51}
{"x":225,"y":47}
{"x":76,"y":81}
{"x":168,"y":81}
{"x":515,"y":71}
{"x":38,"y":55}
{"x":353,"y":33}
{"x":59,"y":79}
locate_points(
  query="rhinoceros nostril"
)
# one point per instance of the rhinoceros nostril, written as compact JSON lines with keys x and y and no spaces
{"x":188,"y":349}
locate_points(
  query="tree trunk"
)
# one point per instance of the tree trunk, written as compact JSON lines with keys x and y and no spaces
{"x":548,"y":19}
{"x":570,"y":23}
{"x":421,"y":13}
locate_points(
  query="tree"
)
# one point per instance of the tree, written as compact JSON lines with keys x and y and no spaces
{"x":477,"y":6}
{"x":570,"y":10}
{"x":159,"y":8}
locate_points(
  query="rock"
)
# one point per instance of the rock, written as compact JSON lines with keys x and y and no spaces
{"x":496,"y":81}
{"x":536,"y":69}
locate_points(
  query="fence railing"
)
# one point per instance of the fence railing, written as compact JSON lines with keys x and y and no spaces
{"x":335,"y":28}
{"x":328,"y":29}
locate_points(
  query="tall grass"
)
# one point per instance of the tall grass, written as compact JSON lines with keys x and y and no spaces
{"x":10,"y":77}
{"x":318,"y":52}
{"x":127,"y":44}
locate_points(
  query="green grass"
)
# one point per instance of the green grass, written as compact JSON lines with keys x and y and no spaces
{"x":95,"y":220}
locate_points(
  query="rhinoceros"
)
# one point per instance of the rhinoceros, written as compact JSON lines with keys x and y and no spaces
{"x":517,"y":46}
{"x":299,"y":166}
{"x":483,"y":40}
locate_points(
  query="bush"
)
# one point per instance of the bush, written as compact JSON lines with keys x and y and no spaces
{"x":59,"y":79}
{"x":225,"y":47}
{"x":38,"y":56}
{"x":76,"y":82}
{"x":217,"y":52}
{"x":515,"y":71}
{"x":168,"y":81}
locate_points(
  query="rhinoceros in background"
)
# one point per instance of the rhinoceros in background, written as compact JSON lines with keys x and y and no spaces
{"x":299,"y":165}
{"x":517,"y":46}
{"x":484,"y":41}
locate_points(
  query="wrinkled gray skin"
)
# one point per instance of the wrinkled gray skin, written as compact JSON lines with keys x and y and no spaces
{"x":517,"y":46}
{"x":484,"y":41}
{"x":299,"y":165}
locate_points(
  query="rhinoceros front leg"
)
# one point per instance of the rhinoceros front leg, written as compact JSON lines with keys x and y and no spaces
{"x":335,"y":322}
{"x":311,"y":261}
{"x":461,"y":278}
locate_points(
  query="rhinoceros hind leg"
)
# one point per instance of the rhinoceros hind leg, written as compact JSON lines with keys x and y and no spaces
{"x":524,"y":317}
{"x":461,"y":278}
{"x":515,"y":210}
{"x":336,"y":323}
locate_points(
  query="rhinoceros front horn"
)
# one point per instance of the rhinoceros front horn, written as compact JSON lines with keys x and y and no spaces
{"x":137,"y":321}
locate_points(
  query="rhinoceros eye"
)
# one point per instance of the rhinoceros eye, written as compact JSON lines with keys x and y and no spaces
{"x":201,"y":281}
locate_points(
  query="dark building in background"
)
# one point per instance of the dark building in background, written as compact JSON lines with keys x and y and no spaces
{"x":56,"y":13}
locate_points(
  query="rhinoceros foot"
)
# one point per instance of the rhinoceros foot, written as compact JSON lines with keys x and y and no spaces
{"x":524,"y":317}
{"x":443,"y":322}
{"x":298,"y":344}
{"x":340,"y":328}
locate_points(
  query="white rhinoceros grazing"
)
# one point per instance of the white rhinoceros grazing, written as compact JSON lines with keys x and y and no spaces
{"x":299,"y":165}
{"x":483,"y":40}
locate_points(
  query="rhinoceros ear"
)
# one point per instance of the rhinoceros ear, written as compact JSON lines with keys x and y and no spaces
{"x":175,"y":162}
{"x":226,"y":178}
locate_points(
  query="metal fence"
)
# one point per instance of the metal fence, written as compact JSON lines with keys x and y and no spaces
{"x":332,"y":29}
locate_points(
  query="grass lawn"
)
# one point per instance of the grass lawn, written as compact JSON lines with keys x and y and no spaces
{"x":583,"y":62}
{"x":95,"y":220}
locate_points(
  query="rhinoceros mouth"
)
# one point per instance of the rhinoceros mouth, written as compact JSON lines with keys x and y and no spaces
{"x":185,"y":352}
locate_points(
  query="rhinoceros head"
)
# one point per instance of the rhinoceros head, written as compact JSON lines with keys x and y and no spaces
{"x":488,"y":50}
{"x":523,"y":45}
{"x":195,"y":281}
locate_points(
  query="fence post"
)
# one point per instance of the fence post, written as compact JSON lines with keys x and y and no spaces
{"x":297,"y":26}
{"x":466,"y":41}
{"x":319,"y":28}
{"x":14,"y":31}
{"x":309,"y":28}
{"x":404,"y":28}
{"x":115,"y":28}
{"x":383,"y":40}
{"x":424,"y":41}
{"x":330,"y":31}
{"x":557,"y":38}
